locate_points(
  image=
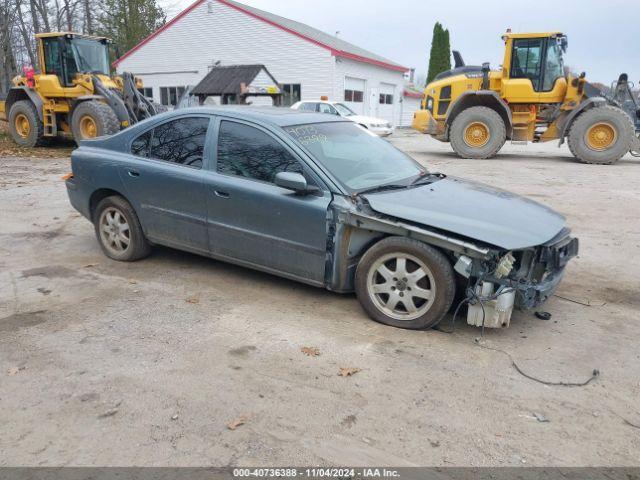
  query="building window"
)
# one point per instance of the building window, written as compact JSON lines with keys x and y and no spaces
{"x":292,"y":93}
{"x":386,"y":99}
{"x":146,"y":92}
{"x":353,"y":96}
{"x":169,"y":96}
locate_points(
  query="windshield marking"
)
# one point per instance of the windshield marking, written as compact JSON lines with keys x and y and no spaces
{"x":307,"y":134}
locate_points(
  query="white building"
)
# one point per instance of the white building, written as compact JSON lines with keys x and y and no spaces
{"x":306,"y":62}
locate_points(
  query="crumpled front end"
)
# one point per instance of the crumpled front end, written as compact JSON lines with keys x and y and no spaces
{"x":523,"y":279}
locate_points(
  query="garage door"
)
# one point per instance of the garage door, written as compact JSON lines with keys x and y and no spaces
{"x":387,"y":101}
{"x":354,"y":89}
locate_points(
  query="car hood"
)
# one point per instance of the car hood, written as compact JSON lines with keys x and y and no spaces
{"x":472,"y":210}
{"x":366,"y":120}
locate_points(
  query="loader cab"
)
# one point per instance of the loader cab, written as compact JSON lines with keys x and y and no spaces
{"x":533,"y":68}
{"x":65,"y":55}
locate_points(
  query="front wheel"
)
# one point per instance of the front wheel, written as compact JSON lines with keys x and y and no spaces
{"x":118,"y":230}
{"x":93,"y":119}
{"x":601,"y":135}
{"x":405,"y":283}
{"x":477,"y":132}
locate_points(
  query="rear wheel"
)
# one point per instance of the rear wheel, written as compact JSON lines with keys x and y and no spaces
{"x":405,"y":283}
{"x":26,"y":128}
{"x":601,"y":135}
{"x":118,"y":230}
{"x":477,"y":132}
{"x":93,"y":119}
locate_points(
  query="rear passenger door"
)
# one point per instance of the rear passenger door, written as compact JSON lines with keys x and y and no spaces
{"x":164,"y":181}
{"x":254,"y":221}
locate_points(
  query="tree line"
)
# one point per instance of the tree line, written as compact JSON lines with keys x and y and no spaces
{"x":126,"y":22}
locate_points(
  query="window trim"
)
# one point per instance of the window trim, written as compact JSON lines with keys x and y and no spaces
{"x":206,"y":154}
{"x":293,"y":150}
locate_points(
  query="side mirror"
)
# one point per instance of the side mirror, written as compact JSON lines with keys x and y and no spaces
{"x":291,"y":181}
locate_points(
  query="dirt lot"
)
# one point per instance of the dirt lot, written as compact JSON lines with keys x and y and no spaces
{"x":104,"y":363}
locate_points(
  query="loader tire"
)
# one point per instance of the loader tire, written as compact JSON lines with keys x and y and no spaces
{"x":478,"y":132}
{"x":601,"y":135}
{"x":26,"y":128}
{"x":93,"y":119}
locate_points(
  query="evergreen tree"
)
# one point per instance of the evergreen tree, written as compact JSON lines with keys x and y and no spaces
{"x":440,"y":56}
{"x":127,"y":22}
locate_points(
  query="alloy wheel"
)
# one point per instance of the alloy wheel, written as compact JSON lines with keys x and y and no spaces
{"x":401,"y":286}
{"x":115,"y":233}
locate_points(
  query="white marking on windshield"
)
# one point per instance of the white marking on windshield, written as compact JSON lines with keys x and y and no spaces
{"x":307,"y":134}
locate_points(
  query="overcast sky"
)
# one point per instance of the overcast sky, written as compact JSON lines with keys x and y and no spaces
{"x":604,"y":35}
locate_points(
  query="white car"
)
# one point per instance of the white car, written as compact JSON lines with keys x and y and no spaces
{"x":376,"y":125}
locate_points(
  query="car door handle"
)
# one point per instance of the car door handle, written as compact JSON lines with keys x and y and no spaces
{"x":221,"y":194}
{"x":133,"y":173}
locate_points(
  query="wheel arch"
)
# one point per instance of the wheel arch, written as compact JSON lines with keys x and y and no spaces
{"x":565,"y":125}
{"x":100,"y":194}
{"x":17,"y":94}
{"x":480,"y":98}
{"x":356,"y":233}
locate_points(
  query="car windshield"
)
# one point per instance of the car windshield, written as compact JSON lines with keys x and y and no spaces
{"x":359,"y":159}
{"x":91,"y":56}
{"x":343,"y":110}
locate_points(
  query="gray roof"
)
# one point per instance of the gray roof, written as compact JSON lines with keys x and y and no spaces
{"x":278,"y":116}
{"x":228,"y":79}
{"x":315,"y":34}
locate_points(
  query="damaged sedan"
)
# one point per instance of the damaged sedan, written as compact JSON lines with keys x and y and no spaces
{"x":323,"y":201}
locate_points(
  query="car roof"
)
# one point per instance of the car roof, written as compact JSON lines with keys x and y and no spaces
{"x":318,"y":101}
{"x":279,"y":116}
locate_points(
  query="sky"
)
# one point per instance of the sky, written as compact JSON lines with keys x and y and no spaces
{"x":604,"y":36}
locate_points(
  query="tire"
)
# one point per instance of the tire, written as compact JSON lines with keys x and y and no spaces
{"x":438,"y":279}
{"x":617,"y":132}
{"x":26,"y":128}
{"x":118,"y":208}
{"x":485,"y":120}
{"x":93,"y":119}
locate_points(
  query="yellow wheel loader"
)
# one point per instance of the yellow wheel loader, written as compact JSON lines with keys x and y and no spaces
{"x":73,"y":93}
{"x":530,"y":99}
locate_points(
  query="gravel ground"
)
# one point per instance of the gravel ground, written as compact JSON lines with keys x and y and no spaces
{"x":106,"y":363}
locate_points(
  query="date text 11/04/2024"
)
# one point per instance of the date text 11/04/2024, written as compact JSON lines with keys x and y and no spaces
{"x":341,"y":473}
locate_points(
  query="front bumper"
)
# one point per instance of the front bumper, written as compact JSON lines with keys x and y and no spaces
{"x":382,"y":131}
{"x":424,"y":122}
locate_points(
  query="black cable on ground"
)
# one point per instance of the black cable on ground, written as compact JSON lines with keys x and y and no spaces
{"x":473,"y":296}
{"x":595,"y":374}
